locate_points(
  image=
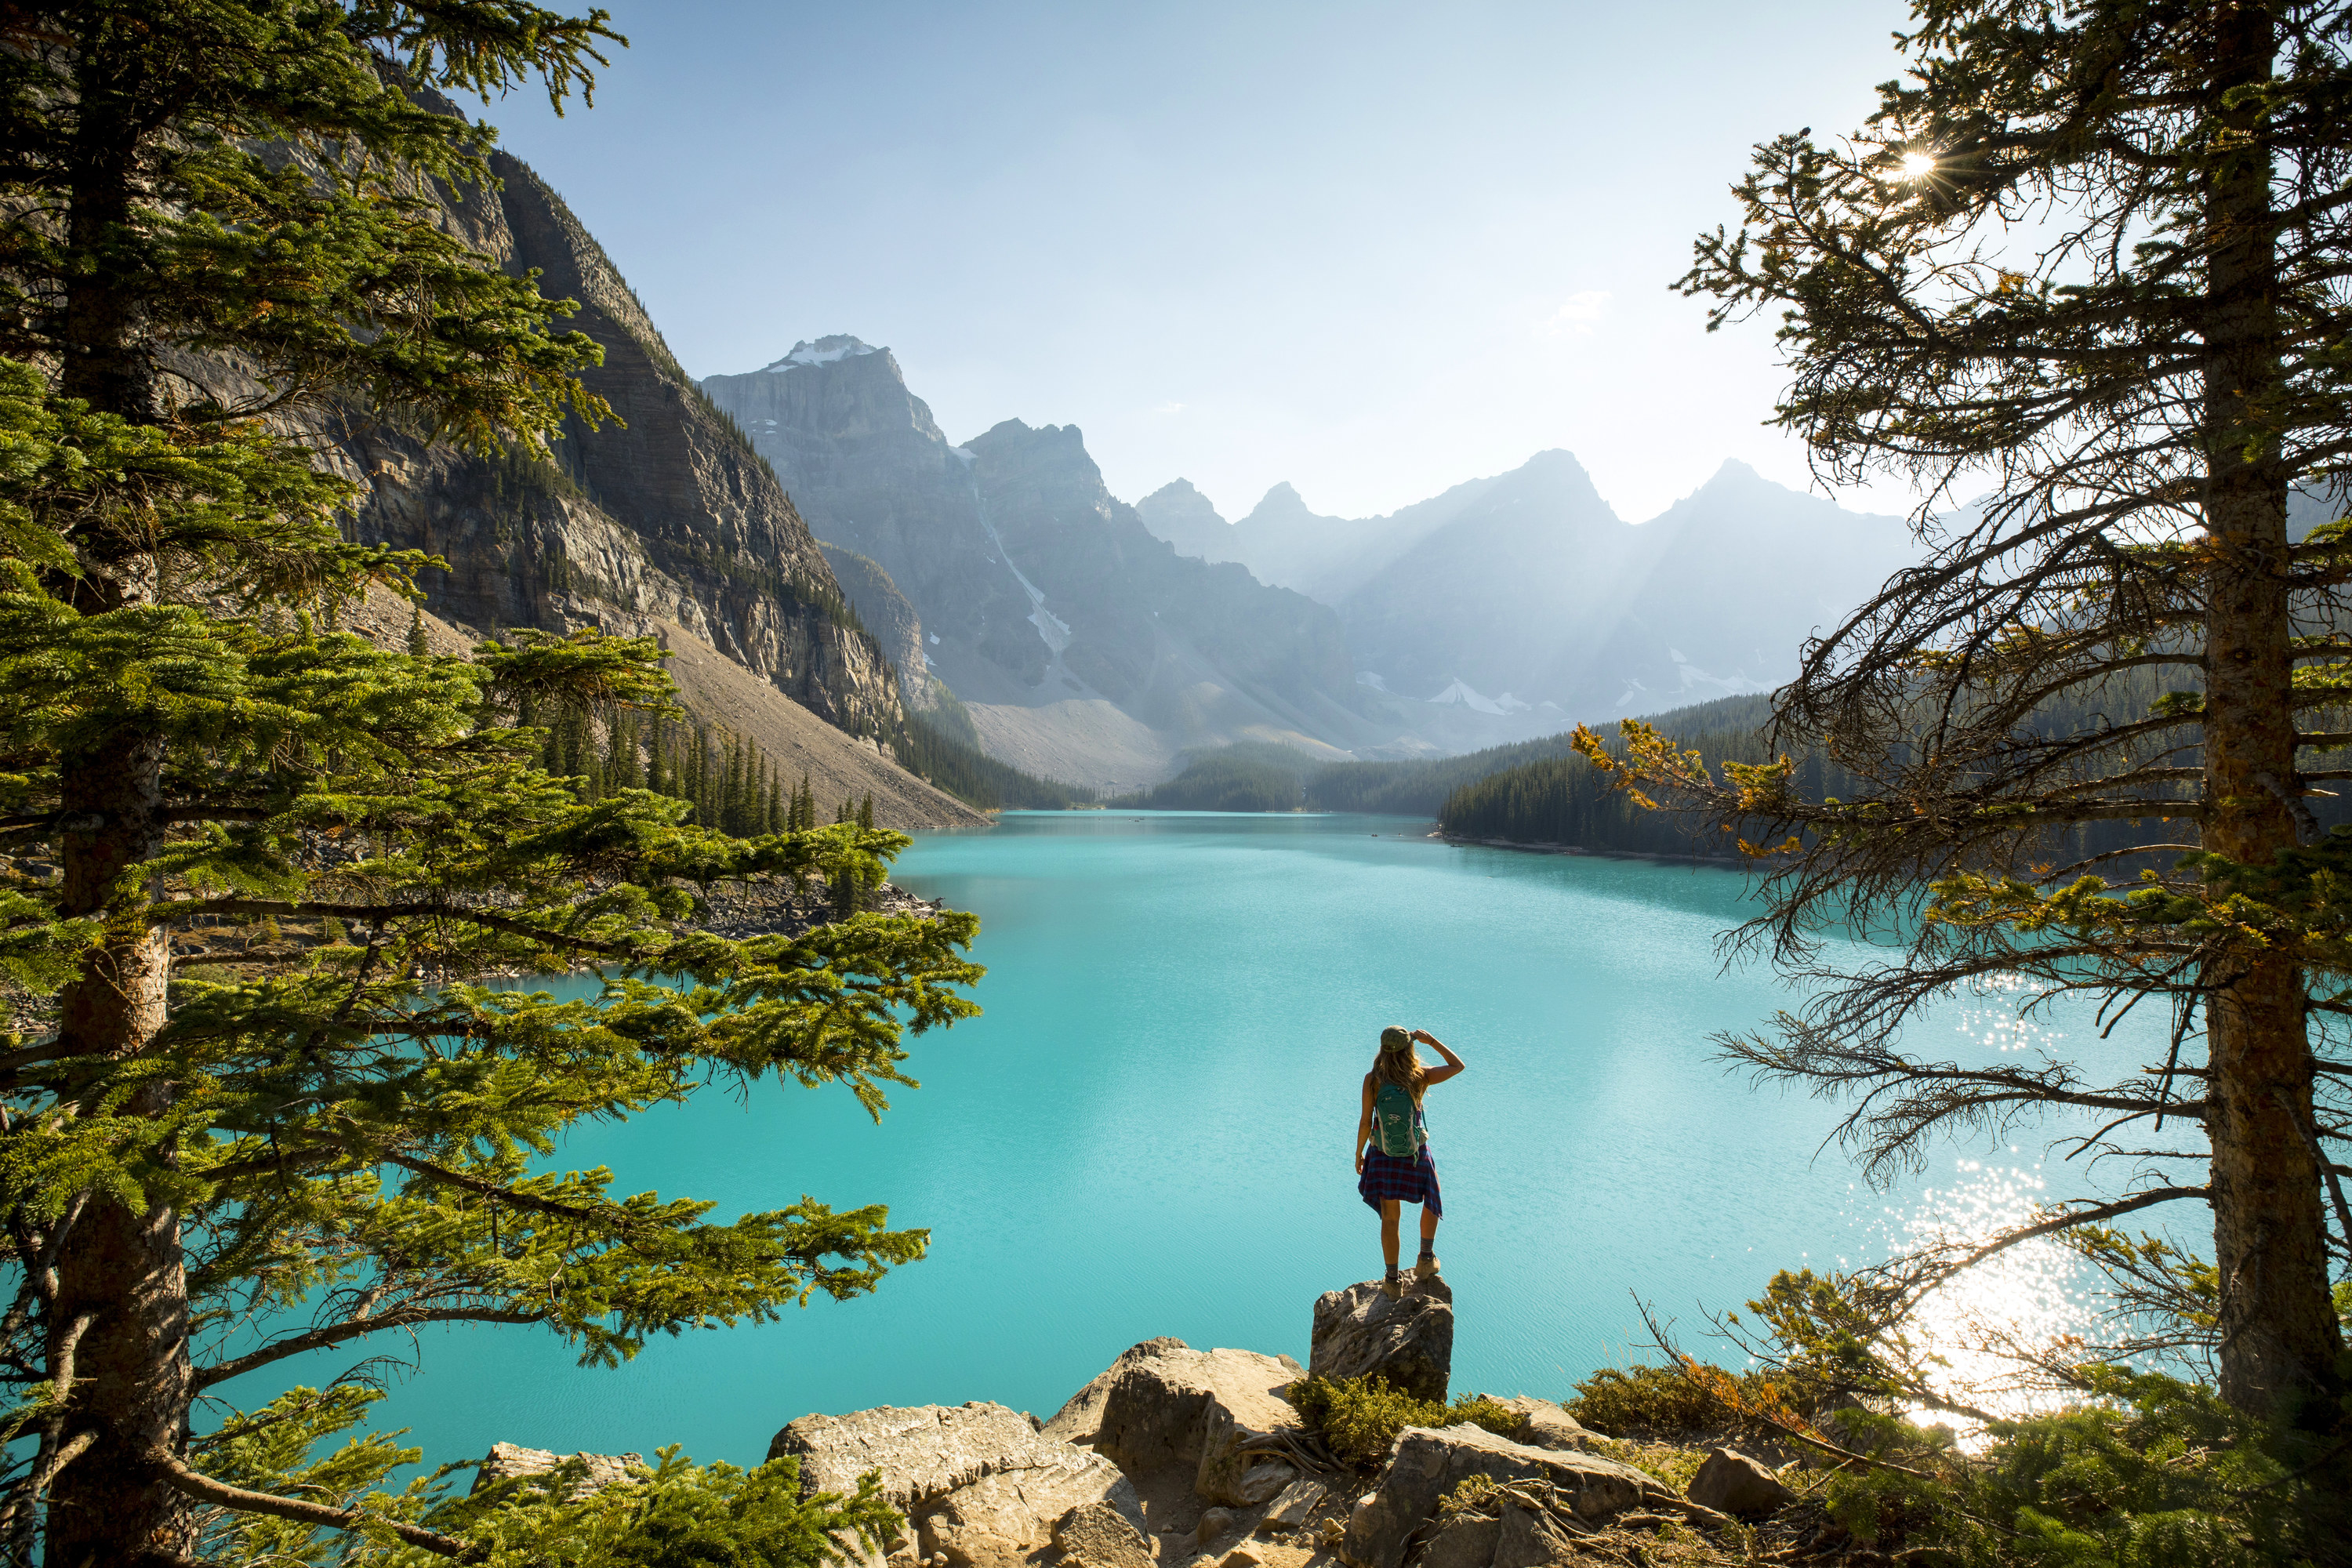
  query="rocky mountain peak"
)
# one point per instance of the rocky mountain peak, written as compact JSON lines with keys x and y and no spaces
{"x":1282,"y":504}
{"x":824,"y":350}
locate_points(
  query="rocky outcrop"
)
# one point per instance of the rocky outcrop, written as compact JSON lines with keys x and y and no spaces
{"x":1544,"y":1424}
{"x":980,"y":1485}
{"x":511,"y":1462}
{"x":1175,"y":1455}
{"x":1731,"y":1482}
{"x":1218,"y":1413}
{"x":1406,"y":1342}
{"x":1428,"y":1464}
{"x":922,"y":1451}
{"x":1097,"y":1535}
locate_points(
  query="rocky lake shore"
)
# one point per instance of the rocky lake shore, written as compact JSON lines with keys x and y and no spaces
{"x":1174,"y":1455}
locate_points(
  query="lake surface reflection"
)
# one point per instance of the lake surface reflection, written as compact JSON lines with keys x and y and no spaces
{"x":1148,"y":1134}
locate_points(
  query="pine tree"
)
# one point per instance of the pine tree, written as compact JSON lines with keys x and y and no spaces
{"x":2091,"y":257}
{"x":866,"y":811}
{"x":417,"y":646}
{"x":182,"y":735}
{"x":657,"y":777}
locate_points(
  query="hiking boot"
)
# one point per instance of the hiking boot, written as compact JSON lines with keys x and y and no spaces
{"x":1426,"y":1269}
{"x":1392,"y":1286}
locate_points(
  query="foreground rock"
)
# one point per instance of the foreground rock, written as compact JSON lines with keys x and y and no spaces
{"x":1544,"y":1424}
{"x":1731,"y":1482}
{"x":1217,"y":1414}
{"x":979,"y":1484}
{"x":1099,"y":1536}
{"x":1427,"y":1464}
{"x":1408,"y":1342}
{"x":509,"y":1462}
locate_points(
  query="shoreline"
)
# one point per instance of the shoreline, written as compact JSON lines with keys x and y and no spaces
{"x":1465,"y":841}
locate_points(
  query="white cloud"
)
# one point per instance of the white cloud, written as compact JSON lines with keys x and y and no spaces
{"x":1575,"y":318}
{"x":1169,"y":408}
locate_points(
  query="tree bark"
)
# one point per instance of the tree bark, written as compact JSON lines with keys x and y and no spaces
{"x":122,"y":1269}
{"x":2279,"y":1334}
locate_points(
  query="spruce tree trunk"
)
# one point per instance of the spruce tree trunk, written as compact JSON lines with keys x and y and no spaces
{"x":2279,"y":1335}
{"x":119,"y":1322}
{"x":120,"y":1319}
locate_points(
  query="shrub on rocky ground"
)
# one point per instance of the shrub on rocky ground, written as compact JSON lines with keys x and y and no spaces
{"x":1668,"y":1401}
{"x":1360,"y":1417}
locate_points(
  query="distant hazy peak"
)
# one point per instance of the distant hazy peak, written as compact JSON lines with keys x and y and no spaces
{"x":1282,"y":504}
{"x":1180,"y":496}
{"x":824,"y":350}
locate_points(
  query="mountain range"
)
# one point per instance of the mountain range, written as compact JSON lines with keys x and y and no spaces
{"x":1080,"y":645}
{"x":1097,"y":642}
{"x":832,"y":573}
{"x":1526,"y":588}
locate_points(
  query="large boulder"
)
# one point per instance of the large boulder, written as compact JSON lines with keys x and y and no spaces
{"x":1099,"y":1536}
{"x":923,"y":1450}
{"x":1731,"y":1482}
{"x":1428,"y":1463}
{"x":1464,"y":1540}
{"x":1079,"y":1420}
{"x":1407,"y":1343}
{"x":1218,"y":1415}
{"x":978,"y":1483}
{"x":1529,"y":1538}
{"x":1005,"y":1519}
{"x":510,"y":1461}
{"x":1543,"y":1425}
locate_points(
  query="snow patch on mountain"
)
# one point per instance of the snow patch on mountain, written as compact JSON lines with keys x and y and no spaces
{"x":1460,"y":693}
{"x":824,"y":350}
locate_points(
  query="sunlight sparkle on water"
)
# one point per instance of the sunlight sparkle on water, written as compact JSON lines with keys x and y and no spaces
{"x":2022,"y":1300}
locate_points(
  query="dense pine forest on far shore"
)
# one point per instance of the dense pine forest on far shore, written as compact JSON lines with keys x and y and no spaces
{"x":1541,"y":792}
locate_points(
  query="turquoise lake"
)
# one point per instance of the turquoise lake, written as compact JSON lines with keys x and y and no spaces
{"x":1147,"y":1133}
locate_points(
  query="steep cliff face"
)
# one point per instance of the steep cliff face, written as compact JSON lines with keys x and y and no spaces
{"x":863,"y":456}
{"x":664,"y":513}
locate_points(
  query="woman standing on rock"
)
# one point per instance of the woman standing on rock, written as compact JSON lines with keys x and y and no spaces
{"x":1393,"y":1163}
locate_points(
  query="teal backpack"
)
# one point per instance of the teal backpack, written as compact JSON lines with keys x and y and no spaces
{"x":1396,"y":1127}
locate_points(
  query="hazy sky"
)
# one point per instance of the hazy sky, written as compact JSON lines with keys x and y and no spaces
{"x":1372,"y":249}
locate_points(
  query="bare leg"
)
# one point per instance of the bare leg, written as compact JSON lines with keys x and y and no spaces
{"x":1428,"y":1226}
{"x":1389,"y":1230}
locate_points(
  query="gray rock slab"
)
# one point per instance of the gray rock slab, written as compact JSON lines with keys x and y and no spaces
{"x":1293,"y":1505}
{"x":1465,"y":1541}
{"x":1408,"y":1342}
{"x":1731,"y":1482}
{"x":923,"y":1451}
{"x":1002,"y":1520}
{"x":1544,"y":1424}
{"x":1527,"y":1539}
{"x":511,"y":1461}
{"x":1097,"y":1535}
{"x":1428,"y":1463}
